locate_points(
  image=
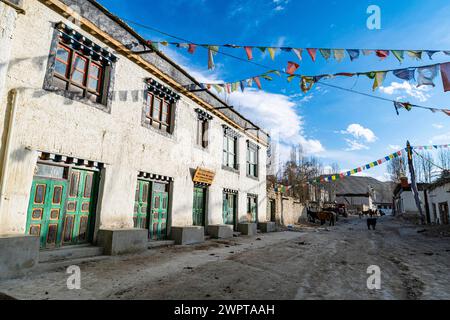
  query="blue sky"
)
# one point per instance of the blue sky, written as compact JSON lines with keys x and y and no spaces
{"x":334,"y":125}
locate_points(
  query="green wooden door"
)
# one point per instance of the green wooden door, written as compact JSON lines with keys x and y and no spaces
{"x":229,"y":209}
{"x":199,"y":206}
{"x":158,"y":216}
{"x":252,"y":209}
{"x":80,"y":209}
{"x":141,"y":204}
{"x":45,"y":211}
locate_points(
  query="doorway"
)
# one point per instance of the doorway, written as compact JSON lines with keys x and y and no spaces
{"x":199,"y":207}
{"x":443,"y":210}
{"x":62,"y":205}
{"x":151,"y":208}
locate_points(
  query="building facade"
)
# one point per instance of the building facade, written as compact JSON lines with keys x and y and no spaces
{"x":99,"y":138}
{"x":439,"y":200}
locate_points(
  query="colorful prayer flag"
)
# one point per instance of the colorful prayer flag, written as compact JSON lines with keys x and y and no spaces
{"x":192,"y":48}
{"x":298,"y":53}
{"x":426,"y":75}
{"x":292,"y":67}
{"x":258,"y":82}
{"x":272,"y":52}
{"x":445,"y":74}
{"x":405,"y":74}
{"x":415,"y":54}
{"x":430,"y":53}
{"x":312,"y":53}
{"x":326,"y":53}
{"x":399,"y":54}
{"x":354,"y":54}
{"x":249,"y":52}
{"x":338,"y":54}
{"x":383,"y":54}
{"x":379,"y":78}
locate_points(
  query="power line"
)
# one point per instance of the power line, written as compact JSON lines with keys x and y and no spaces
{"x":271,"y":69}
{"x":428,"y":160}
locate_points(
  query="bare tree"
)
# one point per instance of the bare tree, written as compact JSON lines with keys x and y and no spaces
{"x":397,"y":168}
{"x":444,"y":158}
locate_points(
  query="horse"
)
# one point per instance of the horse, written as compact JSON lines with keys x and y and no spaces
{"x":322,"y":216}
{"x":312,"y":216}
{"x":371,"y":222}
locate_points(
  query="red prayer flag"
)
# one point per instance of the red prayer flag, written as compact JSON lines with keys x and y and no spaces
{"x":346,"y":74}
{"x":382,"y":54}
{"x":192,"y":48}
{"x":258,"y":82}
{"x":399,"y":153}
{"x":292,"y":67}
{"x":312,"y":53}
{"x":249,"y":52}
{"x":359,"y":169}
{"x":445,"y":73}
{"x":446,"y":111}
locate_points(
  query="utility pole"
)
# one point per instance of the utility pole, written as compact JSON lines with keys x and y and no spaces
{"x":413,"y":181}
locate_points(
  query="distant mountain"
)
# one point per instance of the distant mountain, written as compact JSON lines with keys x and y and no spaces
{"x":360,"y":185}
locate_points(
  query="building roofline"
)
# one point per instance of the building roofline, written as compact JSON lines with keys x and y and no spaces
{"x":135,"y":34}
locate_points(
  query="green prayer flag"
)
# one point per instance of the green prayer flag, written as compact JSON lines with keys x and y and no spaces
{"x":399,"y":54}
{"x":326,"y":53}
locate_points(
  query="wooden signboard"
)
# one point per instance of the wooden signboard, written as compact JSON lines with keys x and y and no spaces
{"x":204,"y":176}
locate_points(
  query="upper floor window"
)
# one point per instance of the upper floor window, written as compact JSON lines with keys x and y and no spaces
{"x":203,"y":119}
{"x":160,"y":106}
{"x":230,"y":152}
{"x":252,"y":159}
{"x":159,"y":113}
{"x":77,"y":73}
{"x":81,"y":68}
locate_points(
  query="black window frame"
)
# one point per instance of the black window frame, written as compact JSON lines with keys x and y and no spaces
{"x":68,"y":79}
{"x":226,"y":152}
{"x":252,"y":168}
{"x":158,"y":122}
{"x":62,"y":84}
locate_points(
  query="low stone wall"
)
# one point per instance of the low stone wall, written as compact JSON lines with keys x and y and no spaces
{"x":292,"y":211}
{"x":288,"y":210}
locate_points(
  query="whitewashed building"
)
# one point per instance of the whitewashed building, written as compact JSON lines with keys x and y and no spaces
{"x":108,"y":142}
{"x":439,"y":200}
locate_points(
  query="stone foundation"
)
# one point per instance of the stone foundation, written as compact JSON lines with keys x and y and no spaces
{"x":247,"y":229}
{"x":188,"y":235}
{"x":18,"y":254}
{"x":116,"y":242}
{"x":267,"y":227}
{"x":220,"y":231}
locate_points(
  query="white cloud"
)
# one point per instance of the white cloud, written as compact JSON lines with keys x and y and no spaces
{"x":354,"y":145}
{"x":276,"y":113}
{"x":406,"y":88}
{"x":438,"y":125}
{"x":361,"y":137}
{"x":442,"y":138}
{"x":394,"y":147}
{"x":359,"y":132}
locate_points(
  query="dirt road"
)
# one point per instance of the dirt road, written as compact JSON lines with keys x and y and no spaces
{"x":310,"y":264}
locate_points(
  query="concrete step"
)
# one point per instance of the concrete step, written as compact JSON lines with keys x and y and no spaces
{"x":160,"y":244}
{"x":70,"y":252}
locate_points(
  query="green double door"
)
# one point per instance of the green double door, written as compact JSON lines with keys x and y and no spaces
{"x":199,"y":212}
{"x":153,"y":214}
{"x":62,"y":212}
